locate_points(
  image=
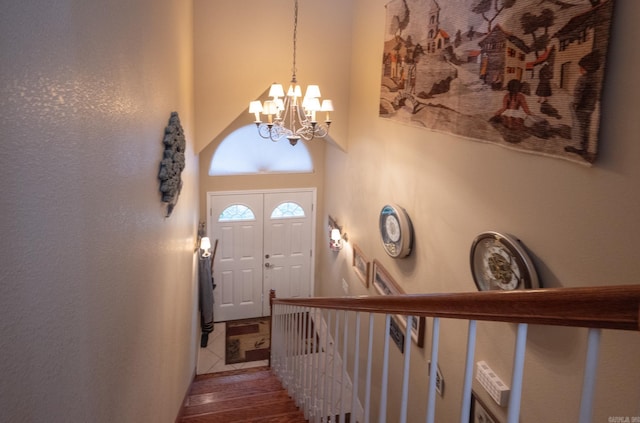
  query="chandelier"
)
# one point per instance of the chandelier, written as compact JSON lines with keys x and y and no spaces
{"x":292,"y":116}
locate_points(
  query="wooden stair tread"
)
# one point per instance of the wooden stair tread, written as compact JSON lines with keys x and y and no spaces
{"x":238,"y":402}
{"x":269,"y":412}
{"x":235,"y":391}
{"x":240,"y":396}
{"x":219,"y":381}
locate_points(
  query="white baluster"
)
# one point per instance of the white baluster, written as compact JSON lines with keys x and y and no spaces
{"x":276,"y":345}
{"x":404,"y":402}
{"x":468,"y":372}
{"x":310,"y":370}
{"x":285,"y":353}
{"x":356,"y":369}
{"x":289,"y":349}
{"x":278,"y":341}
{"x":367,"y":394}
{"x":435,"y":343}
{"x":334,"y":370}
{"x":296,"y":356}
{"x":518,"y":369}
{"x":325,"y":384}
{"x":300,"y":392}
{"x":382,"y":418}
{"x":304,"y":355}
{"x":343,"y":379}
{"x":315,"y":376}
{"x":589,"y":383}
{"x":273,"y":335}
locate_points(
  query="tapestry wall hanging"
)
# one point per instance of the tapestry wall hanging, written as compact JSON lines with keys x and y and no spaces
{"x":525,"y":74}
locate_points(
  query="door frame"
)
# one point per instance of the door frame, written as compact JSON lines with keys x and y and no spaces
{"x":314,"y":212}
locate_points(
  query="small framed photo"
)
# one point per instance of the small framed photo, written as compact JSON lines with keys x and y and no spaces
{"x":361,"y":265}
{"x":385,"y":285}
{"x":479,"y":412}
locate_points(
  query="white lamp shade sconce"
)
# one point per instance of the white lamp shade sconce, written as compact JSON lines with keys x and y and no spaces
{"x":205,"y":246}
{"x":336,"y":235}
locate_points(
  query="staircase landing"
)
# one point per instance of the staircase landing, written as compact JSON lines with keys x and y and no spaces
{"x":250,"y":395}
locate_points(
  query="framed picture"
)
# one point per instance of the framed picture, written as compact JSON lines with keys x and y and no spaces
{"x":360,"y":265}
{"x":385,"y":285}
{"x":479,"y":412}
{"x":397,"y":334}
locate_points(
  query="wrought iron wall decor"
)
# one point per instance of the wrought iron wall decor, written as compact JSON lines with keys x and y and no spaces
{"x":173,"y":162}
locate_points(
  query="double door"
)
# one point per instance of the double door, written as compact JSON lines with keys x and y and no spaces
{"x":265,"y":242}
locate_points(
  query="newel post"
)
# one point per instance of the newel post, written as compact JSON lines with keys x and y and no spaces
{"x":272,"y":296}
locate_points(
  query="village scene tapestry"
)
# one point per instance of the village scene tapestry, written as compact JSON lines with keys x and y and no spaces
{"x":525,"y":74}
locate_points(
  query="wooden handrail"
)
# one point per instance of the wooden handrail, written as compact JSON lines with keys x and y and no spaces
{"x":608,"y":307}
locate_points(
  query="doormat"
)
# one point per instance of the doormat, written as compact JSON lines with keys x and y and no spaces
{"x":247,"y":340}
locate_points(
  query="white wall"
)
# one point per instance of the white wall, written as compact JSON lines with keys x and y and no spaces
{"x":579,"y":223}
{"x":97,"y":293}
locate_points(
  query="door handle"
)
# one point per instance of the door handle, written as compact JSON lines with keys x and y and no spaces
{"x":267,"y":265}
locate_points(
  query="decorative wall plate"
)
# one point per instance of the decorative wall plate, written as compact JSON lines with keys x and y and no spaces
{"x":396,"y":231}
{"x":499,"y":262}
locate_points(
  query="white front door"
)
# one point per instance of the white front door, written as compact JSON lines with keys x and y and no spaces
{"x":237,"y":268}
{"x":264,"y":242}
{"x":287,"y":244}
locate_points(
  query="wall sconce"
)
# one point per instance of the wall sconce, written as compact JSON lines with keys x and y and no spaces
{"x":336,"y":236}
{"x":205,"y":246}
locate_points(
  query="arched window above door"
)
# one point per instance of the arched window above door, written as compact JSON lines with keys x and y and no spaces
{"x":244,"y":152}
{"x":286,"y":210}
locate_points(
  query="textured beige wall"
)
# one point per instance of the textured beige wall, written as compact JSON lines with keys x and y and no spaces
{"x":97,"y":292}
{"x":579,"y":223}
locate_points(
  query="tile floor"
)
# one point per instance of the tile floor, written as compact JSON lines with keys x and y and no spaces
{"x":211,"y":358}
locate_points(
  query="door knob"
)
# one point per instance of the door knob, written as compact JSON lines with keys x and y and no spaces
{"x":267,"y":265}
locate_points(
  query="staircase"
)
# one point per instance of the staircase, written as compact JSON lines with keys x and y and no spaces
{"x":251,"y":395}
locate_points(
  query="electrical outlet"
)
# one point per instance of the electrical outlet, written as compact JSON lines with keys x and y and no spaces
{"x":345,"y":287}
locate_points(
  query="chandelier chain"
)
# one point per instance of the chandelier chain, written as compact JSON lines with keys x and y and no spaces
{"x":295,"y":36}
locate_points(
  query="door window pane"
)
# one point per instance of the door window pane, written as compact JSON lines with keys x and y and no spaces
{"x":236,"y":212}
{"x":285,"y":210}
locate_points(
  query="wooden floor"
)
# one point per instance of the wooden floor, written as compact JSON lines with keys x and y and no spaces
{"x":249,"y":395}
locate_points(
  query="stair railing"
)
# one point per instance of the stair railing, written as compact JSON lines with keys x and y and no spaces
{"x":306,"y":355}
